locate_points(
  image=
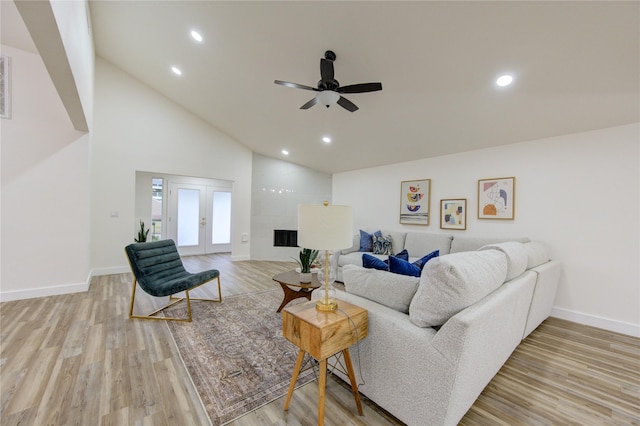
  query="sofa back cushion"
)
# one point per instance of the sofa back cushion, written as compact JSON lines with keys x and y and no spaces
{"x":537,"y":254}
{"x":392,"y":290}
{"x":419,"y":244}
{"x":474,"y":243}
{"x":517,"y":257}
{"x":451,"y":283}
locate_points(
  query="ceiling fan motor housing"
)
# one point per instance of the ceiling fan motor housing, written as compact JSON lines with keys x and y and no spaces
{"x":328,"y":85}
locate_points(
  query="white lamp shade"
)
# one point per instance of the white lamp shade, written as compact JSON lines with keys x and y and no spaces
{"x":328,"y":97}
{"x":323,"y":227}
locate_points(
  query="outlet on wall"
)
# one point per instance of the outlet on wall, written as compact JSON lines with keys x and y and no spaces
{"x":245,"y":238}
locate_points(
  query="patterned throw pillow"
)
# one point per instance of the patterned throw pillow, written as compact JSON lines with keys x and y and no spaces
{"x":382,"y":245}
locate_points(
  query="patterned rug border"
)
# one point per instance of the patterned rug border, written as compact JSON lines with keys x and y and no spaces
{"x":307,"y":372}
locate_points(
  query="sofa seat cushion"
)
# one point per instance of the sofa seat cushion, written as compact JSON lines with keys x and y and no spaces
{"x":451,"y":283}
{"x":392,"y":290}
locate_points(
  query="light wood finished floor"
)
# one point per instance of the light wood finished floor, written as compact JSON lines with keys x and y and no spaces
{"x":77,"y":359}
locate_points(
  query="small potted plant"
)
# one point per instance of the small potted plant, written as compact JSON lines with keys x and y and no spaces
{"x":307,"y":257}
{"x":142,"y":234}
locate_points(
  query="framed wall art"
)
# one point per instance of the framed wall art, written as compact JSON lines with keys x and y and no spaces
{"x":415,"y":196}
{"x":453,"y":213}
{"x":496,"y":198}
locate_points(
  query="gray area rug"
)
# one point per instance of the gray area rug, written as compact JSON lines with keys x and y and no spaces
{"x":235,"y":353}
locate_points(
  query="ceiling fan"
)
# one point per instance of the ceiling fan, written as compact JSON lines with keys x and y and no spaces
{"x":329,"y":89}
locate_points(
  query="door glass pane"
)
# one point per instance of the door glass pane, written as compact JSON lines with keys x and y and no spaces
{"x":188,"y":216}
{"x":156,"y":209}
{"x":221,"y":229}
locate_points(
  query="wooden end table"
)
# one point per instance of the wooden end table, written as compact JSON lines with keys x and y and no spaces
{"x":290,"y":279}
{"x":321,"y":335}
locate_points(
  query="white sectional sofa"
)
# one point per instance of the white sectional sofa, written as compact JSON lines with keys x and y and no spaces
{"x":435,"y":341}
{"x":417,"y":245}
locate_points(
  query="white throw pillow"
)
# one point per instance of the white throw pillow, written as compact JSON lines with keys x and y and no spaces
{"x":451,"y":283}
{"x":392,"y":290}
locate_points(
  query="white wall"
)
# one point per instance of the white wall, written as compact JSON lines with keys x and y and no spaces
{"x":137,"y":129}
{"x":578,"y":194}
{"x":45,"y":189}
{"x":278,"y":188}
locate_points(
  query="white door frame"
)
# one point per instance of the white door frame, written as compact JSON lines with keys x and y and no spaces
{"x":205,"y":218}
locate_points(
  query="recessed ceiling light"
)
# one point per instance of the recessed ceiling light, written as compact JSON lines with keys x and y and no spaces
{"x":176,"y":70}
{"x":285,"y":152}
{"x":326,"y":139}
{"x":196,"y":36}
{"x":504,"y":80}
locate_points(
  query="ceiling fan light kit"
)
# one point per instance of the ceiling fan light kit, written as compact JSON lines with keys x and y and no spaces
{"x":328,"y":97}
{"x":329,"y":88}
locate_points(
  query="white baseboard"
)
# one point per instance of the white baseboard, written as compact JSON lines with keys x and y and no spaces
{"x":596,"y":321}
{"x":239,"y":258}
{"x":31,"y":293}
{"x":96,"y":272}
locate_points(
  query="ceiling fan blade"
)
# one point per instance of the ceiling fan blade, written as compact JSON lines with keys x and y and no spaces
{"x":326,"y":69}
{"x":295,"y":85}
{"x":311,"y":103}
{"x":347,"y":104}
{"x":360,"y":88}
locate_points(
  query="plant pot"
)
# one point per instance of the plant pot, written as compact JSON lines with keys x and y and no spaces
{"x":305,"y":277}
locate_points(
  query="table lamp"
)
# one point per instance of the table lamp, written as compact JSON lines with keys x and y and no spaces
{"x":325,"y":227}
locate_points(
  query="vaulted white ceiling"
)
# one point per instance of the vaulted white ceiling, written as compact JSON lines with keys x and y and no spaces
{"x":575,"y":68}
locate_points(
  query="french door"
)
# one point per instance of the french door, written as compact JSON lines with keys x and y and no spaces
{"x":199,"y":218}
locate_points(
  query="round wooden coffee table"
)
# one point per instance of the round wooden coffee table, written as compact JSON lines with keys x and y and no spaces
{"x":293,"y":288}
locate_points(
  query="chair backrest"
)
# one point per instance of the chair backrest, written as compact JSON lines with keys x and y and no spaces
{"x":155,"y":262}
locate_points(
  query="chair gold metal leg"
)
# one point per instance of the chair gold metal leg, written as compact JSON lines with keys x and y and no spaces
{"x":133,"y":296}
{"x":173,"y":300}
{"x":188,"y":304}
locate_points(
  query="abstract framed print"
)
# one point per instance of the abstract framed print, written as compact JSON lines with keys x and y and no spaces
{"x":453,"y":213}
{"x":415,"y":196}
{"x":496,"y":198}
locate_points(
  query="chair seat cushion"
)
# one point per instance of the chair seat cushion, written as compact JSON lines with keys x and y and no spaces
{"x":159,"y":271}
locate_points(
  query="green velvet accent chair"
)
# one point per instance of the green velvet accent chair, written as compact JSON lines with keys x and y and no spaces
{"x":158,"y":269}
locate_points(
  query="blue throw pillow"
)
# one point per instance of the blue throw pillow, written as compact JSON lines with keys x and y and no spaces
{"x":366,"y":240}
{"x":373,"y":262}
{"x":423,"y":260}
{"x":399,"y":266}
{"x":404,"y":255}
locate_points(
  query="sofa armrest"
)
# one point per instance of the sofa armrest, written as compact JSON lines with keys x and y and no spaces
{"x":355,"y":246}
{"x":479,"y":339}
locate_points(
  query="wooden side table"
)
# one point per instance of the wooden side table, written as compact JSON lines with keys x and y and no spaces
{"x":290,"y":279}
{"x":321,"y":335}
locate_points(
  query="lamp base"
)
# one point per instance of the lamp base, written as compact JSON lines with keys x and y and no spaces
{"x":329,"y":306}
